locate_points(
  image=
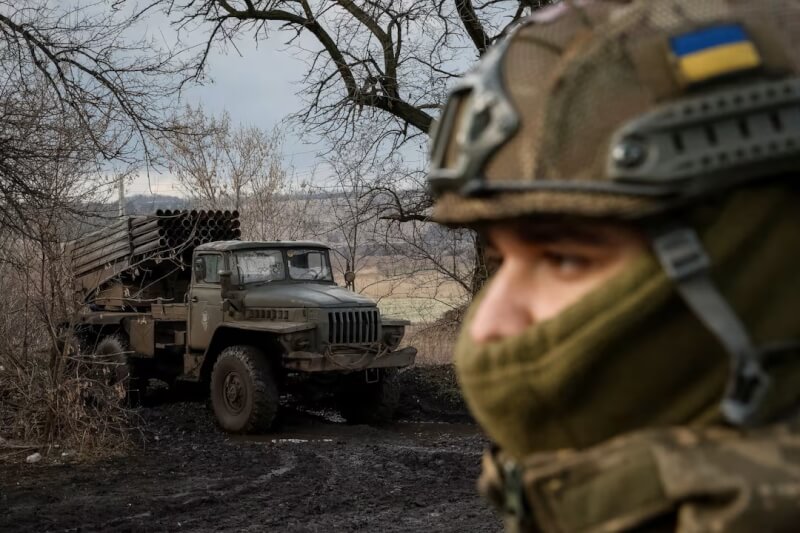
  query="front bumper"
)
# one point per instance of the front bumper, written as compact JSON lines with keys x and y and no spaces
{"x":339,"y":362}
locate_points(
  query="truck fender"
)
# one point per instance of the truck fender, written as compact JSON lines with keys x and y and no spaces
{"x":264,"y":335}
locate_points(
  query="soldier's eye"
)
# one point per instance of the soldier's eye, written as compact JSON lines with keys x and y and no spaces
{"x":567,"y":264}
{"x":493,"y":255}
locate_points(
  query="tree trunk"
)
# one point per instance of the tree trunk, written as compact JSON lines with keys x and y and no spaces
{"x":484,"y":266}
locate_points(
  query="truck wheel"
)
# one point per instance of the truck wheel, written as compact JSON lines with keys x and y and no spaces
{"x":113,"y":368}
{"x":369,"y":403}
{"x":244,"y":393}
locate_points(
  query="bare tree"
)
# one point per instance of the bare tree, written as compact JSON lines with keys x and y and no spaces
{"x":222,"y":166}
{"x":92,"y":67}
{"x":380,"y":62}
{"x":378,"y":66}
{"x":349,"y":200}
{"x":442,"y":260}
{"x":292,"y":212}
{"x":403,"y":203}
{"x":80,"y":100}
{"x":41,"y":394}
{"x":73,"y":67}
{"x":218,"y":164}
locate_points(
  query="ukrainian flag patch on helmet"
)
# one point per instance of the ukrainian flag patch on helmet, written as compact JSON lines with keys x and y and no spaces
{"x":714,"y":52}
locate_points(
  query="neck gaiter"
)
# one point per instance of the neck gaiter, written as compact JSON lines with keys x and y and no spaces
{"x":630,"y":354}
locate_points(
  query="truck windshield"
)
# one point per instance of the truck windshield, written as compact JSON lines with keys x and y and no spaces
{"x":257,"y":266}
{"x":309,"y":264}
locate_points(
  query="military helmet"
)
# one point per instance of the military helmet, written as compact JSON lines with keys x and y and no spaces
{"x":628,"y":109}
{"x":621,"y":109}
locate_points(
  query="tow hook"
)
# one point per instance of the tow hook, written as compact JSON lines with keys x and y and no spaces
{"x":373,"y":375}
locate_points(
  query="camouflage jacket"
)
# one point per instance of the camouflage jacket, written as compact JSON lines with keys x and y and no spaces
{"x":680,"y":480}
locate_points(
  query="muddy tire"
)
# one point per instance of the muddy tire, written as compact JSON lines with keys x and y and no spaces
{"x":360,"y":402}
{"x":113,"y":367}
{"x":244,"y":392}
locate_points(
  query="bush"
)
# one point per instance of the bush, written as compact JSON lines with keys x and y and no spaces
{"x":435,"y":341}
{"x":50,"y":392}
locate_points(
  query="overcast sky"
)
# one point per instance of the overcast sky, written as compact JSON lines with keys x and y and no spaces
{"x":257,"y":84}
{"x":257,"y":88}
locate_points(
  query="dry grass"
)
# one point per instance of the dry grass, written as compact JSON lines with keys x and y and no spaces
{"x":434,"y":342}
{"x":50,"y":398}
{"x":374,"y":281}
{"x":58,"y":401}
{"x":401,"y":292}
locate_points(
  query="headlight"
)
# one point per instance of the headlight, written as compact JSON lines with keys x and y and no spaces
{"x":392,"y":336}
{"x":299,"y":341}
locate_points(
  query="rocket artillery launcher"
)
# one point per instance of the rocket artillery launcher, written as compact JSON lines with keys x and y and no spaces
{"x":176,"y":296}
{"x":139,"y":257}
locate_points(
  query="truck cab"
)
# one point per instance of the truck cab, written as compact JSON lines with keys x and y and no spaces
{"x":286,"y":291}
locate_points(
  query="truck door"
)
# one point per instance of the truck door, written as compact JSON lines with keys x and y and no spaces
{"x":205,"y":299}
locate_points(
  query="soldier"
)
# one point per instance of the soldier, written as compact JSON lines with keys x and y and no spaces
{"x":636,"y":356}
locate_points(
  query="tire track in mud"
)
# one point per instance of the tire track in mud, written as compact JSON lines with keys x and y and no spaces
{"x":231,"y":486}
{"x":313,"y":474}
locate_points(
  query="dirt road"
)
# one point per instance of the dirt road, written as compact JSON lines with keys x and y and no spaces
{"x":314,"y":474}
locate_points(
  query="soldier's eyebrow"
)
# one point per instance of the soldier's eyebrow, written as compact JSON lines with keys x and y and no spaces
{"x":552,"y":231}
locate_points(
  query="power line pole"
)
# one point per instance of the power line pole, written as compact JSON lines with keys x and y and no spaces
{"x":121,"y":195}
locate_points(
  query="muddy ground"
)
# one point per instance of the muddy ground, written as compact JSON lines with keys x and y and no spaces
{"x":314,"y":473}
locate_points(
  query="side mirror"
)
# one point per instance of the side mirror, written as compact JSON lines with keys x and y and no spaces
{"x":225,"y":282}
{"x":349,"y":277}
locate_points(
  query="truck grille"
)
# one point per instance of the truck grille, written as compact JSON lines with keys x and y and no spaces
{"x":353,"y":326}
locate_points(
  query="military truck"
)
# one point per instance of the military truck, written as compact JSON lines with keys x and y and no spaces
{"x":247,"y":319}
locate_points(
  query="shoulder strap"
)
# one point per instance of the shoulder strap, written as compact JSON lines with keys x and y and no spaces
{"x":679,"y":480}
{"x":558,"y":493}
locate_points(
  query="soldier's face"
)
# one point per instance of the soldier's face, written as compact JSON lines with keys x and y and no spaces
{"x":545,"y":268}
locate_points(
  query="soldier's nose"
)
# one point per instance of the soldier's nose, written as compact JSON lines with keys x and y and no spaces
{"x":505,"y":309}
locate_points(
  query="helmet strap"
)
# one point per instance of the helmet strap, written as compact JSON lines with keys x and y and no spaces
{"x":686,"y":263}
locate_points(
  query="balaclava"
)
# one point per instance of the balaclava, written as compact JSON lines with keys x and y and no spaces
{"x":630,"y":354}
